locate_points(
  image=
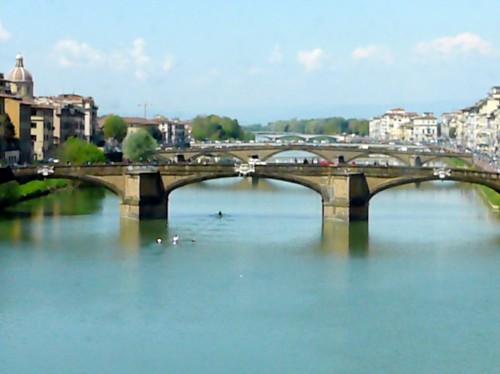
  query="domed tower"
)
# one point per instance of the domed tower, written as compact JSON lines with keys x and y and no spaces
{"x":21,"y":80}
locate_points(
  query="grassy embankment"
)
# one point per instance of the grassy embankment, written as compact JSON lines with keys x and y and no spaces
{"x":12,"y":192}
{"x":491,"y":196}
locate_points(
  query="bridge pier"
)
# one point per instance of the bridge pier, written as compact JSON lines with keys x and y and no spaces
{"x":144,"y":195}
{"x":345,"y":238}
{"x":346,"y":197}
{"x":416,"y":161}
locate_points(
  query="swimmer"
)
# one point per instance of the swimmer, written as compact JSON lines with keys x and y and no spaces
{"x":220,"y":213}
{"x":175,"y":239}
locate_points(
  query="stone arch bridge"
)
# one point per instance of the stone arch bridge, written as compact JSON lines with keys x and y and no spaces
{"x":413,"y":156}
{"x":143,"y":190}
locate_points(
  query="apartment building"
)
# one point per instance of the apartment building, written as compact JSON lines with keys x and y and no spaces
{"x":89,"y":109}
{"x":176,"y":133}
{"x":19,"y":112}
{"x":135,"y":124}
{"x":69,"y":119}
{"x":476,"y":127}
{"x":42,"y":130}
{"x":425,"y":129}
{"x":398,"y":124}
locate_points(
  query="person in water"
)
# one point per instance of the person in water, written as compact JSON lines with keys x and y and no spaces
{"x":220,"y":213}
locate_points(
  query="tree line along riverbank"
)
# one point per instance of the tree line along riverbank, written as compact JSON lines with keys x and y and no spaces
{"x":12,"y":192}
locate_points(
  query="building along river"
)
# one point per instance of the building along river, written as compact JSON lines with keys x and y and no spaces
{"x":266,"y":288}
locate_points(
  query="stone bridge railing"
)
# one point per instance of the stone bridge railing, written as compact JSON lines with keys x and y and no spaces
{"x":332,"y":153}
{"x":345,"y":190}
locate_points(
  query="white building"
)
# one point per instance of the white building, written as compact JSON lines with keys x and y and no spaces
{"x":175,"y":133}
{"x":476,"y":127}
{"x":425,"y":129}
{"x":398,"y":124}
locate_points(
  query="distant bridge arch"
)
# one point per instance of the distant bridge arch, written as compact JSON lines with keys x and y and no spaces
{"x":467,"y":161}
{"x":386,"y":154}
{"x":94,"y":180}
{"x":411,"y":180}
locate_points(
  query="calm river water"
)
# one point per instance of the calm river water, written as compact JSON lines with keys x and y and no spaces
{"x":267,"y":288}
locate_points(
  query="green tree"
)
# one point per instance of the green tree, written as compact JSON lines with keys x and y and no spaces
{"x":9,"y":193}
{"x":214,"y":127}
{"x":358,"y":126}
{"x":248,"y":135}
{"x":78,"y":151}
{"x":115,"y":127}
{"x":139,"y":146}
{"x":7,"y":129}
{"x":255,"y":127}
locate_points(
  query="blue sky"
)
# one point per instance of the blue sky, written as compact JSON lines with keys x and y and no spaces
{"x":257,"y":61}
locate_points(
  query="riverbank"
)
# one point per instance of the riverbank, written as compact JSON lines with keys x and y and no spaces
{"x":12,"y":193}
{"x":491,"y":197}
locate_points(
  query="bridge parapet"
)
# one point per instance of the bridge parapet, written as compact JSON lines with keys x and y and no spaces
{"x":411,"y":156}
{"x":345,"y":190}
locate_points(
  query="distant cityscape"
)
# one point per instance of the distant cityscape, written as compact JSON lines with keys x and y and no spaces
{"x":42,"y":123}
{"x":475,"y":128}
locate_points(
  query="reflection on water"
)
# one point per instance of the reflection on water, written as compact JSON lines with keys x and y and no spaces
{"x":269,"y":279}
{"x":136,"y":234}
{"x":64,"y":202}
{"x":344,"y":238}
{"x":26,"y":220}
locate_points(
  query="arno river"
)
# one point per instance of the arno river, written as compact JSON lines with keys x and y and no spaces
{"x":267,"y":288}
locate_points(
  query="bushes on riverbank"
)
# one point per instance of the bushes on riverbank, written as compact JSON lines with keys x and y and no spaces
{"x":12,"y":192}
{"x":9,"y":192}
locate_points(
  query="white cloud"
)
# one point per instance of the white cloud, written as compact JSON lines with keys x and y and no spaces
{"x":372,"y":51}
{"x":255,"y":70}
{"x":168,"y":63}
{"x":141,"y":59}
{"x":463,"y":43}
{"x":72,"y":53}
{"x":276,"y":55}
{"x":4,"y":34}
{"x":209,"y":78}
{"x":313,"y":59}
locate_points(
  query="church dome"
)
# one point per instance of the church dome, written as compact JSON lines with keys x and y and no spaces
{"x":19,"y":73}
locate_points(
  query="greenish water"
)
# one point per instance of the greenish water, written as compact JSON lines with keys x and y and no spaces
{"x":267,"y":288}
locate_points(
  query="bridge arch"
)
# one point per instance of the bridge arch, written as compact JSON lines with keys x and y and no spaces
{"x":468,"y":162}
{"x":409,"y":180}
{"x":197,"y":179}
{"x":367,"y":155}
{"x":284,"y":149}
{"x":84,"y":178}
{"x":212,"y":152}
